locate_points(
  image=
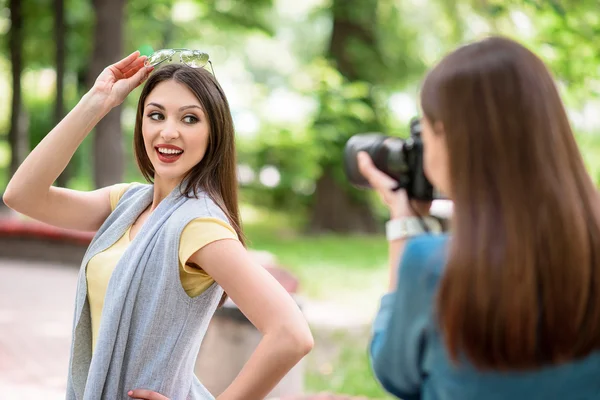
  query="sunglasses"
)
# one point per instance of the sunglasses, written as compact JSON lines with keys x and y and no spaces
{"x":191,"y":58}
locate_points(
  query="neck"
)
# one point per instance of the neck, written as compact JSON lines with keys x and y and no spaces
{"x":162,"y":188}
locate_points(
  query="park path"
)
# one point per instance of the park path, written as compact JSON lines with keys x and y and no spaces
{"x":36,"y":313}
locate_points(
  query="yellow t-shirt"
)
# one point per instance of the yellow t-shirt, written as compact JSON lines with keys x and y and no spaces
{"x":195,"y":235}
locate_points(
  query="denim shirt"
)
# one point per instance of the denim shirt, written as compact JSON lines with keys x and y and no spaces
{"x":410,"y":361}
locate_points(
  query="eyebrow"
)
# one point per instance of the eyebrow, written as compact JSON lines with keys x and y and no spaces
{"x":180,"y":108}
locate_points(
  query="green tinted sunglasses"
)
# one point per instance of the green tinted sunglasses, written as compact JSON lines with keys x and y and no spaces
{"x":191,"y":58}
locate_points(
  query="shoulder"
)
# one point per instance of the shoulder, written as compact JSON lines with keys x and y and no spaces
{"x":208,"y":226}
{"x":201,"y":232}
{"x":116,"y":193}
{"x":123,"y":191}
{"x":425,"y":257}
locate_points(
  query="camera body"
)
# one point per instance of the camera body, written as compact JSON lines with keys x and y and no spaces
{"x":400,"y":159}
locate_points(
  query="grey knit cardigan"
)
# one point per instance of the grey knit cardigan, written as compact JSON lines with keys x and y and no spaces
{"x":151,"y":330}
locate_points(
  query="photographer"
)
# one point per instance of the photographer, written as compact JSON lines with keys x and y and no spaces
{"x":507,"y":306}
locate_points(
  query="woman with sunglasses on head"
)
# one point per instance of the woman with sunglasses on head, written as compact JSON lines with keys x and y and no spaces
{"x":507,"y":306}
{"x":165,"y":253}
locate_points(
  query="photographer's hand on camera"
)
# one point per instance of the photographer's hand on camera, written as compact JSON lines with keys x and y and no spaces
{"x":397,"y":201}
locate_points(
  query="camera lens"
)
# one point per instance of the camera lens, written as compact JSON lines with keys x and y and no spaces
{"x":373,"y":144}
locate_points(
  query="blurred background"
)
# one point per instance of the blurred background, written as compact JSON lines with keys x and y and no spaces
{"x":302,"y":76}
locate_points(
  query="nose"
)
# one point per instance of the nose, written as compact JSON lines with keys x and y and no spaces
{"x":169,"y":132}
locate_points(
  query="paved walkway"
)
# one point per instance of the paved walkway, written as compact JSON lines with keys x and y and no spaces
{"x":36,"y":313}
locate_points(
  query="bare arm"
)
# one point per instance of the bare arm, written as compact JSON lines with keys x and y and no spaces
{"x":30,"y":190}
{"x":399,"y":205}
{"x":286,"y":335}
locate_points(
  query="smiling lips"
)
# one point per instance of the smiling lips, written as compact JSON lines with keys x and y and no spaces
{"x":168,"y":153}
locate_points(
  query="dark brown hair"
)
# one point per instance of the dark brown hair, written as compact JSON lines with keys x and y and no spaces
{"x":216,"y":172}
{"x":521,"y":287}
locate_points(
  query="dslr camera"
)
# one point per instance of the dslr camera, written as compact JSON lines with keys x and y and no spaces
{"x":401,"y":159}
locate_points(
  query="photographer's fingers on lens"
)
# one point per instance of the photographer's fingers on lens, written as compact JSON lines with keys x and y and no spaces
{"x":377,"y":179}
{"x":396,"y":200}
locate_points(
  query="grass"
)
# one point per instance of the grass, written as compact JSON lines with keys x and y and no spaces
{"x":327,"y":266}
{"x":339,"y":364}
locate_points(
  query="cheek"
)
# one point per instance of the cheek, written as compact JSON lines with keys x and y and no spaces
{"x":428,"y":162}
{"x":196,"y":142}
{"x":433,"y":162}
{"x":149,"y":135}
{"x":201,"y":140}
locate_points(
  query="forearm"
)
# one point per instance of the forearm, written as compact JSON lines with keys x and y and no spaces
{"x":50,"y":157}
{"x":275,"y":356}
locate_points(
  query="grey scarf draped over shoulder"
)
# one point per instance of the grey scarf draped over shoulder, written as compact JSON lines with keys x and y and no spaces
{"x":151,"y":330}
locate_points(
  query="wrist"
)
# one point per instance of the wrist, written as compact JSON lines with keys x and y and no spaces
{"x":96,"y":103}
{"x":409,"y":226}
{"x":401,"y":213}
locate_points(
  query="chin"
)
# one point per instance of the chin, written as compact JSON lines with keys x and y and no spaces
{"x":168,"y":174}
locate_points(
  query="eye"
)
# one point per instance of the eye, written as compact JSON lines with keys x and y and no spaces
{"x":190,"y":119}
{"x":156,"y":116}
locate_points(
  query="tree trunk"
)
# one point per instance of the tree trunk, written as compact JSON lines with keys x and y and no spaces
{"x":59,"y":104}
{"x":108,"y":140}
{"x":18,"y":134}
{"x":335,"y":209}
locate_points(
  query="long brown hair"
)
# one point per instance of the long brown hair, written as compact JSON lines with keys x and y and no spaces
{"x":216,"y":172}
{"x":521,"y":287}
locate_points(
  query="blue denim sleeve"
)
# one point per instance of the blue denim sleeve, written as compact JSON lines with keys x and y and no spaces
{"x":399,"y":329}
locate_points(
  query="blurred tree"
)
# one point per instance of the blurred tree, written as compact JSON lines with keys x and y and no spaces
{"x":17,"y":136}
{"x":566,"y":36}
{"x":352,"y":41}
{"x":562,"y":32}
{"x":108,"y":49}
{"x":59,"y":37}
{"x":40,"y":51}
{"x":360,"y":49}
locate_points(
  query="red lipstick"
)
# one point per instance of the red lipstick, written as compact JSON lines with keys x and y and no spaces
{"x":168,"y":153}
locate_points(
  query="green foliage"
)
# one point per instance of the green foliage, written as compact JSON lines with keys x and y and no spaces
{"x":241,"y":16}
{"x":38,"y":44}
{"x":589,"y":145}
{"x":79,"y":21}
{"x":40,"y":110}
{"x":167,"y":23}
{"x":41,"y":118}
{"x":396,"y":42}
{"x":562,"y":32}
{"x":570,"y":31}
{"x":346,"y":108}
{"x":293,"y":157}
{"x":38,"y":19}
